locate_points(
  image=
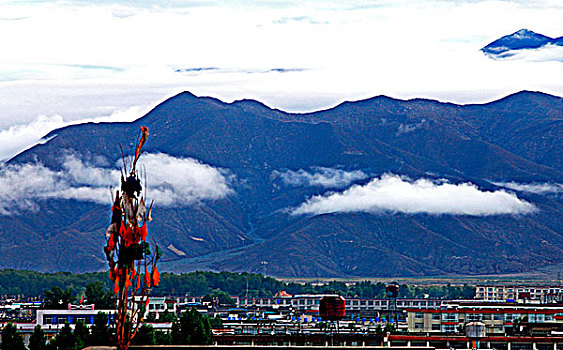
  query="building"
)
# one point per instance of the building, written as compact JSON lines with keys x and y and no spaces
{"x":496,"y":316}
{"x":543,"y":294}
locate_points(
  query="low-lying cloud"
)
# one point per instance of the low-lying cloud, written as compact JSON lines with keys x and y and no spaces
{"x":171,"y":182}
{"x":319,"y":176}
{"x":18,"y":138}
{"x":392,"y":193}
{"x":537,"y":188}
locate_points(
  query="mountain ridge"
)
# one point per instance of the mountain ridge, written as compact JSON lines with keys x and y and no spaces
{"x":251,"y":230}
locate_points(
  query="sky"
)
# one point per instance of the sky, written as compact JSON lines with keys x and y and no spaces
{"x":67,"y":62}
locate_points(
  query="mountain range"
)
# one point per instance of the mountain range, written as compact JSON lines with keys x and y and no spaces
{"x":271,"y":197}
{"x":523,"y":39}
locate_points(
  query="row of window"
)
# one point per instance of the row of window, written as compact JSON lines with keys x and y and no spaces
{"x":470,"y":317}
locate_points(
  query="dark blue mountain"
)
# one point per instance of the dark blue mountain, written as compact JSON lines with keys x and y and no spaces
{"x":517,"y":138}
{"x":520,"y":40}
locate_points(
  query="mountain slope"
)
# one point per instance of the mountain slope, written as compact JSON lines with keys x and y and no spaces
{"x":515,"y":139}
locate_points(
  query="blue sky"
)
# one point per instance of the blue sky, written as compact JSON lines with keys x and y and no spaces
{"x":71,"y":61}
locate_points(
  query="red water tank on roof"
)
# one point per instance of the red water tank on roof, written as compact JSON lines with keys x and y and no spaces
{"x":332,"y":308}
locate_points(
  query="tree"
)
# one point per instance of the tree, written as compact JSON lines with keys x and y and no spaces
{"x":192,"y":329}
{"x":65,"y":340}
{"x":223,"y":298}
{"x":100,"y":333}
{"x":145,"y":335}
{"x":162,"y":338}
{"x":37,"y":340}
{"x":167,"y":316}
{"x":11,"y":338}
{"x":389,"y":328}
{"x":216,"y":322}
{"x":57,"y":298}
{"x":99,"y":296}
{"x":81,"y":335}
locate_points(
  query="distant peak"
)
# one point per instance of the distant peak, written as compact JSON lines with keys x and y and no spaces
{"x":524,"y":32}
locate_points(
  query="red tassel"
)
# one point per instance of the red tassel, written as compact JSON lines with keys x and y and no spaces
{"x":116,"y":285}
{"x":155,"y":276}
{"x":147,"y":278}
{"x":143,"y":232}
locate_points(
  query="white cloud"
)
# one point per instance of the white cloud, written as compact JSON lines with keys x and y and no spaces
{"x":542,"y":54}
{"x":88,"y":59}
{"x":391,"y":193}
{"x":181,"y":181}
{"x":322,"y":177}
{"x":18,"y":138}
{"x":538,"y":188}
{"x":171,"y":182}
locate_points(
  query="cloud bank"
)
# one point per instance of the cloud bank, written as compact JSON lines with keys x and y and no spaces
{"x":320,"y":176}
{"x":171,"y":182}
{"x":537,"y":188}
{"x":18,"y":138}
{"x":392,"y":193}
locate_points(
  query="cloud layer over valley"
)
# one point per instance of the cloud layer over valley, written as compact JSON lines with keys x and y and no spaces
{"x":171,"y":182}
{"x":392,"y":193}
{"x":320,"y":176}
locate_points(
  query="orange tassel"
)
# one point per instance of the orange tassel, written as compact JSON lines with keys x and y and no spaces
{"x":155,"y":276}
{"x":147,"y":278}
{"x":116,"y":285}
{"x":144,"y":136}
{"x":111,"y":243}
{"x":143,"y":231}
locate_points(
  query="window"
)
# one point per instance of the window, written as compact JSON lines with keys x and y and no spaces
{"x":49,"y":319}
{"x":370,"y":302}
{"x":419,"y":325}
{"x":418,"y":315}
{"x":448,"y":328}
{"x":548,"y":318}
{"x":363,"y":302}
{"x":497,"y":317}
{"x":354,"y":302}
{"x":436,"y":327}
{"x":435,"y":316}
{"x":486,"y":317}
{"x":61,"y":320}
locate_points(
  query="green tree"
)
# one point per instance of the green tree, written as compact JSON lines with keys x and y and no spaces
{"x":81,"y":335}
{"x":223,"y":298}
{"x":162,"y":338}
{"x":100,"y":296}
{"x":167,"y":316}
{"x":216,"y":322}
{"x":65,"y":340}
{"x":378,"y":329}
{"x":11,"y":338}
{"x":37,"y":339}
{"x":145,"y":335}
{"x":192,"y":329}
{"x":100,"y":333}
{"x":389,"y":328}
{"x":57,"y":298}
